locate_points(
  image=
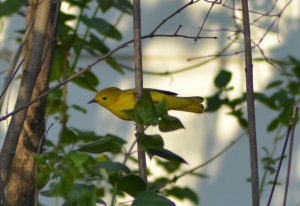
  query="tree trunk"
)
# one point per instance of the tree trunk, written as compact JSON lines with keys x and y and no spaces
{"x":21,"y":183}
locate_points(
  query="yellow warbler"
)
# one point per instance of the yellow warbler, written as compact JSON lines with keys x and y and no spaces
{"x":117,"y":101}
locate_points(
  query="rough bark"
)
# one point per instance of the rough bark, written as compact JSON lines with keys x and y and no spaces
{"x":21,"y":181}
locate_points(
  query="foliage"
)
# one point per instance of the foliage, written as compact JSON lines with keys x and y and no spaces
{"x":83,"y":168}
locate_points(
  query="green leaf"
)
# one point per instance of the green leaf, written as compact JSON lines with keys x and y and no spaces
{"x":10,"y":7}
{"x":99,"y":45}
{"x":68,"y":136}
{"x":169,"y":123}
{"x":79,"y":108}
{"x":42,"y":177}
{"x":223,"y":78}
{"x":131,"y":184}
{"x":123,"y":5}
{"x":273,"y":125}
{"x":63,"y":186}
{"x":148,"y":198}
{"x":183,"y":193}
{"x":144,"y":111}
{"x":82,"y":194}
{"x":54,"y":102}
{"x":113,"y":168}
{"x":294,"y":61}
{"x":162,"y":108}
{"x":165,"y":154}
{"x":269,"y":102}
{"x":213,"y":103}
{"x":274,"y":84}
{"x":107,"y":143}
{"x":102,"y":27}
{"x":86,"y":136}
{"x":60,"y":64}
{"x":151,"y":140}
{"x":105,"y":5}
{"x":78,"y":158}
{"x":87,"y":80}
{"x":170,"y":167}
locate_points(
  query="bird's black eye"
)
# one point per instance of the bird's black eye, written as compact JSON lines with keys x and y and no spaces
{"x":104,"y":98}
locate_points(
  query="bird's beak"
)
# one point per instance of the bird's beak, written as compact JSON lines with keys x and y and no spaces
{"x":92,"y":101}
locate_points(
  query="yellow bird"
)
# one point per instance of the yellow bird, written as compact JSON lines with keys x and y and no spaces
{"x":117,"y":101}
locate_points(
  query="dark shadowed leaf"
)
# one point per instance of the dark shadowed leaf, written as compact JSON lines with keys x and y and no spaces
{"x":151,"y":140}
{"x":108,"y":143}
{"x":273,"y":125}
{"x":148,"y":198}
{"x":82,"y":194}
{"x":169,"y":123}
{"x":165,"y":154}
{"x":105,"y":5}
{"x":87,"y":81}
{"x":170,"y":167}
{"x":223,"y":78}
{"x":10,"y":7}
{"x":131,"y":184}
{"x":213,"y":103}
{"x":123,"y":5}
{"x":183,"y":193}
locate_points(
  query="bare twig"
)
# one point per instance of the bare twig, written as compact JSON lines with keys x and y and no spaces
{"x":206,"y":16}
{"x":172,"y":15}
{"x":250,"y":104}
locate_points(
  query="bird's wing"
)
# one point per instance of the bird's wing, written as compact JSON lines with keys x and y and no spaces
{"x":162,"y":91}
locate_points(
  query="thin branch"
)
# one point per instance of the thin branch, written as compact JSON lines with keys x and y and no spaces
{"x":139,"y":83}
{"x":172,"y":15}
{"x":282,"y":156}
{"x":288,"y":172}
{"x":250,"y":104}
{"x":206,"y":16}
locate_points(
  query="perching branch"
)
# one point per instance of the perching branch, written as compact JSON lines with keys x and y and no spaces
{"x":139,"y":83}
{"x":250,"y":104}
